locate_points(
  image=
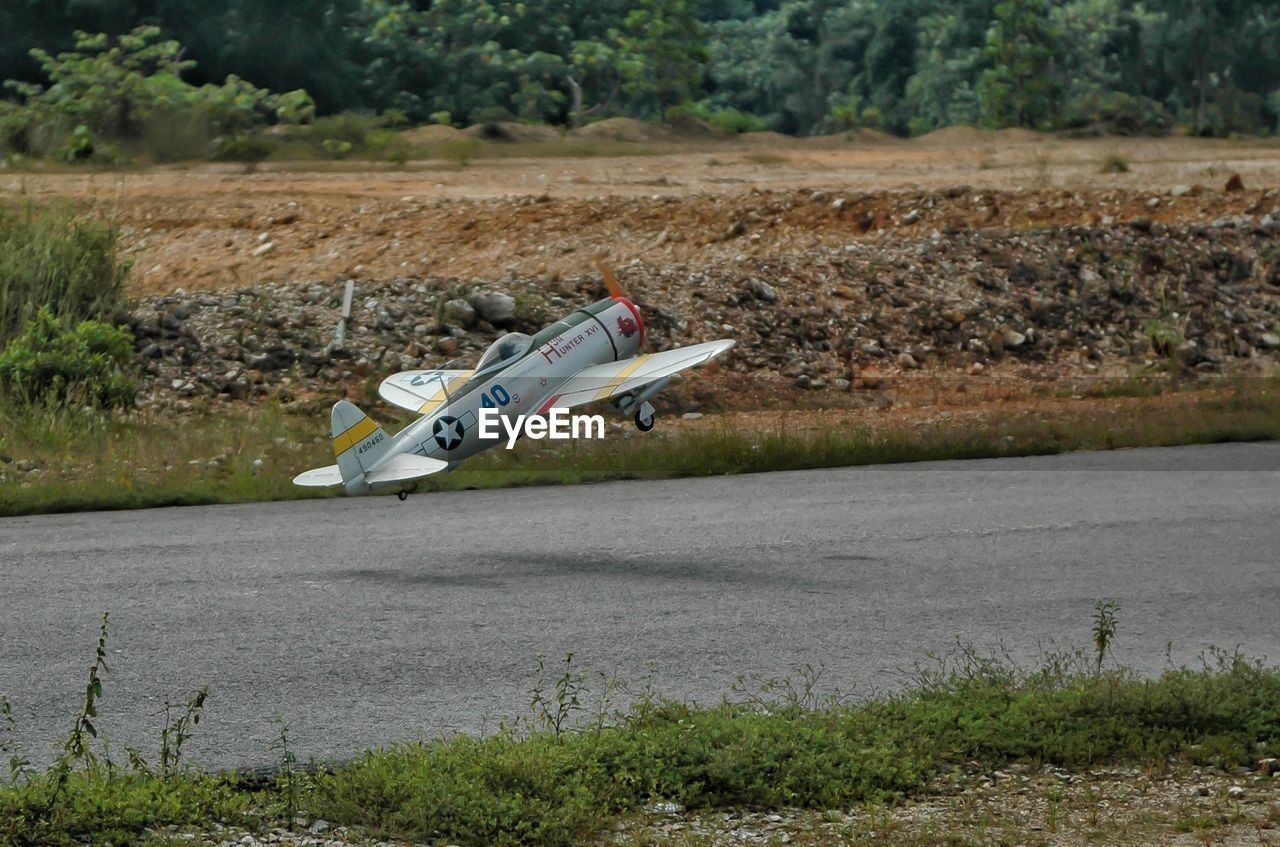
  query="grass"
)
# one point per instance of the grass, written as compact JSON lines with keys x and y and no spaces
{"x":569,"y":771}
{"x":50,"y":256}
{"x":1114,"y":163}
{"x":75,"y":460}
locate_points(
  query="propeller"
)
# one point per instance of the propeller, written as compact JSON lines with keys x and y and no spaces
{"x":610,"y":281}
{"x":616,"y":290}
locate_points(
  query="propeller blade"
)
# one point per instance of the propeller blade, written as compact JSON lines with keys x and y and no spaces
{"x":611,"y":281}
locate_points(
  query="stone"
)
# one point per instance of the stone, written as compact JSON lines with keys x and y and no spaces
{"x":691,"y":416}
{"x":495,"y":307}
{"x":458,"y":312}
{"x":1269,"y":341}
{"x":1012,"y":339}
{"x":447,"y":344}
{"x":911,"y":217}
{"x":906,"y":360}
{"x":1235,"y":792}
{"x":955,"y":317}
{"x":1234,"y":183}
{"x":264,"y":249}
{"x":762,"y":290}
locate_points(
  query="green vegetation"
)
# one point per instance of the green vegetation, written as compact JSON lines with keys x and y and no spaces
{"x":53,"y":364}
{"x":74,"y":459}
{"x":577,"y":763}
{"x":796,"y":66}
{"x":61,"y":282}
{"x":129,"y":91}
{"x":50,"y":257}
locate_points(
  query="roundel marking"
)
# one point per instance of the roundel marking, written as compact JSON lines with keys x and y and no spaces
{"x":448,"y":432}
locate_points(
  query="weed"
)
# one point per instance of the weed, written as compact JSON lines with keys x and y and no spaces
{"x":1114,"y":163}
{"x":1104,"y":629}
{"x":50,"y":257}
{"x":554,"y":710}
{"x":461,"y":150}
{"x":287,"y":777}
{"x":177,"y":729}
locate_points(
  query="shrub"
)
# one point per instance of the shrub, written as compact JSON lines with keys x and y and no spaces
{"x":49,"y":257}
{"x":54,"y":363}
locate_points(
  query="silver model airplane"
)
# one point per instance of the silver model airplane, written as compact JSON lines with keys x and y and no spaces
{"x":592,"y":354}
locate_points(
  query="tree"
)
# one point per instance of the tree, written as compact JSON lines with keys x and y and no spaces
{"x":1021,"y":88}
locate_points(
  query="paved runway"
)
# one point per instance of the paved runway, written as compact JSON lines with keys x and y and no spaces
{"x":364,"y":621}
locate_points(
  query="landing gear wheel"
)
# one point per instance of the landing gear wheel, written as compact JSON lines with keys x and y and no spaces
{"x":644,"y":418}
{"x":403,"y":495}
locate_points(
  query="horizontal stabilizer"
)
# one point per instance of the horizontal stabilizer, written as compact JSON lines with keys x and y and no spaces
{"x":403,"y":467}
{"x":320,"y":477}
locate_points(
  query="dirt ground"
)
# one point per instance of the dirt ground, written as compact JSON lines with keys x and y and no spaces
{"x":211,"y":226}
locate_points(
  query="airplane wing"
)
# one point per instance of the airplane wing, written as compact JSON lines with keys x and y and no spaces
{"x":421,"y":392}
{"x":403,"y":467}
{"x":600,"y":382}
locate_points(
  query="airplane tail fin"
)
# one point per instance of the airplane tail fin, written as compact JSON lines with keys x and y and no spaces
{"x":358,"y":442}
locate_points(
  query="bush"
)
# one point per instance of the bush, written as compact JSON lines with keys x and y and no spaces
{"x":55,"y":363}
{"x":51,"y":258}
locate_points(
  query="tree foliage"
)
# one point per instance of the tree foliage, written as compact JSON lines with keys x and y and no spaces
{"x":800,"y":66}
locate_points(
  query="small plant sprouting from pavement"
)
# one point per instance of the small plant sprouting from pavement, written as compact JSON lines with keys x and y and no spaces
{"x":555,"y":710}
{"x":1104,"y":629}
{"x":287,"y":777}
{"x":18,"y":763}
{"x":177,"y":729}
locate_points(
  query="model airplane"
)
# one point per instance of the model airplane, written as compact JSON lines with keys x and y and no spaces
{"x":593,"y":354}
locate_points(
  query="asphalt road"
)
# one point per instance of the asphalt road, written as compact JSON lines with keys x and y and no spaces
{"x":366,"y":621}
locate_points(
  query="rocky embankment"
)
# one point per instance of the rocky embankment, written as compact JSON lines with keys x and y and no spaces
{"x":1051,"y":302}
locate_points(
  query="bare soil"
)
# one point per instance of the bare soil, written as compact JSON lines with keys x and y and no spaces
{"x":205,"y":226}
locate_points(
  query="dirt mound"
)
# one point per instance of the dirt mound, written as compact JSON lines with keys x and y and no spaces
{"x":512,"y":131}
{"x":433,"y":134}
{"x":767,"y":138}
{"x":957,"y":136}
{"x":1020,"y":136}
{"x":625,"y":129}
{"x":860,"y":135}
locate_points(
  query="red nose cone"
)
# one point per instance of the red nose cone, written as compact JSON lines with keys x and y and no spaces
{"x":635,"y":314}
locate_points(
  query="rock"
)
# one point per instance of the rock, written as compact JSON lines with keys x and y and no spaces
{"x":447,"y":344}
{"x":495,"y":307}
{"x":955,"y":317}
{"x":1141,"y":224}
{"x":264,"y":249}
{"x":1181,"y":190}
{"x":762,"y":290}
{"x":911,"y":217}
{"x":169,"y":322}
{"x":1235,"y":183}
{"x":1235,"y":792}
{"x":1269,"y":341}
{"x":318,"y":827}
{"x":666,"y":808}
{"x":906,"y":360}
{"x":458,"y":312}
{"x":691,"y":416}
{"x":838,"y":204}
{"x":1012,"y":339}
{"x":1089,"y":276}
{"x":870,"y":378}
{"x":1269,"y":767}
{"x":736,"y":229}
{"x":152,"y":351}
{"x":1200,"y":791}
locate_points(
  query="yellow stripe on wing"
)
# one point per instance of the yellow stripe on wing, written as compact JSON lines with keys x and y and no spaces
{"x":437,"y":401}
{"x":622,"y":374}
{"x":353,"y":436}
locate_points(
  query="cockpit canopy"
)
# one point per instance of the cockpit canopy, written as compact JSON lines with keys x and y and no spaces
{"x":510,"y":346}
